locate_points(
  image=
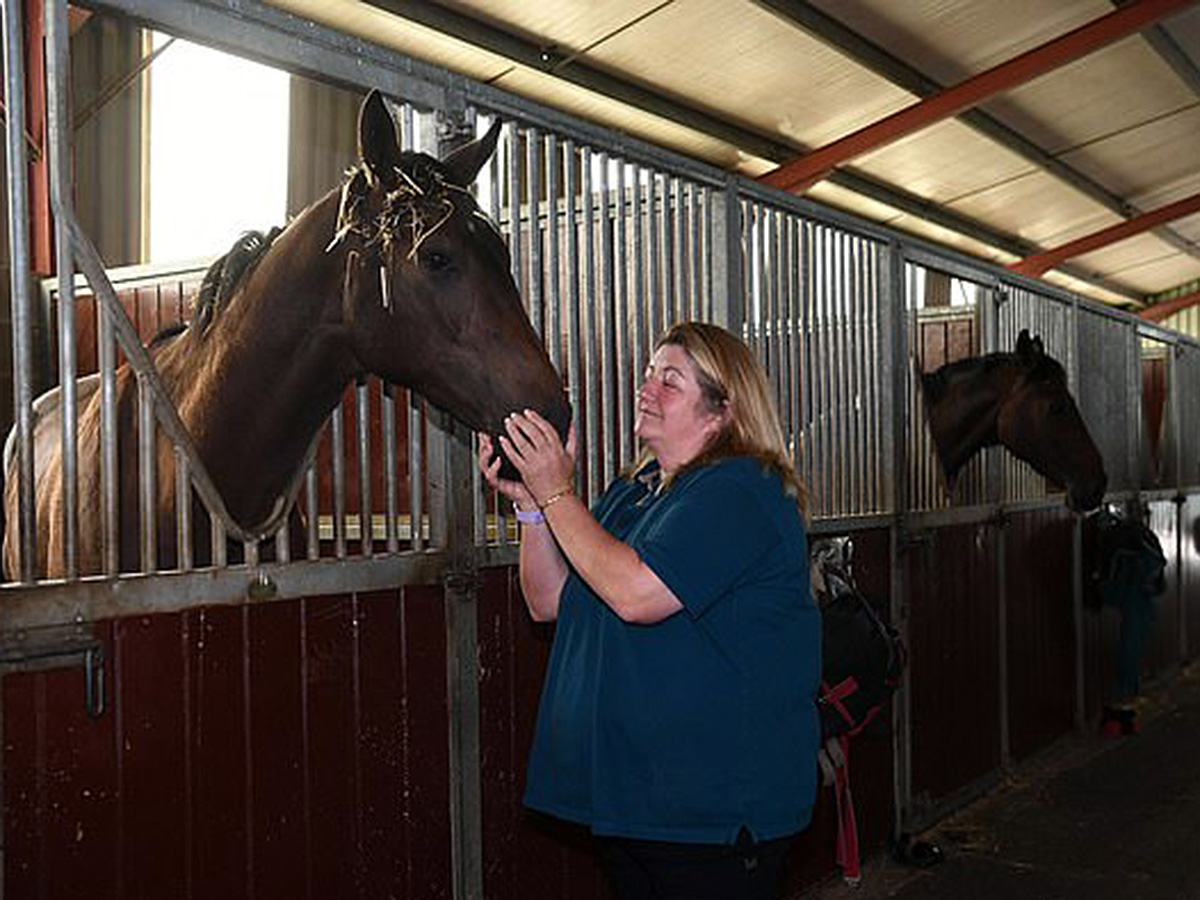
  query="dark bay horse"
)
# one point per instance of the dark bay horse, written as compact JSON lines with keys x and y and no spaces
{"x":395,"y":273}
{"x":1019,"y":400}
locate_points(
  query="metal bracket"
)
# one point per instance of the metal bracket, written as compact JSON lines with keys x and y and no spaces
{"x":59,"y":647}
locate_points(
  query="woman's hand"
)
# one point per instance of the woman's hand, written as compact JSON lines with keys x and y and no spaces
{"x":532,"y":445}
{"x":489,"y":465}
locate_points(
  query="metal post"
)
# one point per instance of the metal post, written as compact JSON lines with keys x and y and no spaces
{"x":18,"y":244}
{"x":892,"y":310}
{"x":451,"y":468}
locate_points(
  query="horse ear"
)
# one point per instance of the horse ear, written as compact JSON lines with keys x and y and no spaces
{"x":377,"y":144}
{"x":1039,"y":349}
{"x":465,"y":162}
{"x":1025,"y":346}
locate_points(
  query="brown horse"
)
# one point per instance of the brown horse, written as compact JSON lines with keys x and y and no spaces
{"x":396,"y":273}
{"x":1019,"y":400}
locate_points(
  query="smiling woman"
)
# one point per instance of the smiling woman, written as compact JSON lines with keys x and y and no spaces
{"x":204,"y":185}
{"x":678,"y":718}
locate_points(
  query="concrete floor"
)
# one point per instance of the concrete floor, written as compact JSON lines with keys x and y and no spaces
{"x":1093,"y":818}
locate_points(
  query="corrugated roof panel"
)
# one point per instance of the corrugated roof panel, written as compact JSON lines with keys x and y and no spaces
{"x":578,"y":101}
{"x":950,"y":40}
{"x":569,"y":24}
{"x":1139,"y":162}
{"x":944,"y":162}
{"x":1066,"y":282}
{"x":745,"y":63}
{"x":1121,"y":87}
{"x":1036,"y":206}
{"x":1145,"y":261}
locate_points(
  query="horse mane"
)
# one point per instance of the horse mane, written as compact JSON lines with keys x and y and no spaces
{"x":227,"y":273}
{"x":936,"y":383}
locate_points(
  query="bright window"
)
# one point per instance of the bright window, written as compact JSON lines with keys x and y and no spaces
{"x":218,"y":150}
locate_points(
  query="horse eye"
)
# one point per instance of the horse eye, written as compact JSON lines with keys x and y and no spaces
{"x":435,"y":260}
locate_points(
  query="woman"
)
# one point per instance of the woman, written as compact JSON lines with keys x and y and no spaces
{"x":677,"y":720}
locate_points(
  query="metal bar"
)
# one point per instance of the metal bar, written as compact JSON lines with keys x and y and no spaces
{"x":623,"y":337}
{"x":1160,"y":311}
{"x":183,"y":511}
{"x":19,"y":283}
{"x":59,"y":141}
{"x":606,"y":300}
{"x":554,"y":292}
{"x":639,"y":352}
{"x":387,"y":415}
{"x":147,"y":477}
{"x":574,"y":348}
{"x":589,"y":341}
{"x":311,"y":506}
{"x":362,"y":408}
{"x":337,"y":453}
{"x":655,"y":290}
{"x":810,"y":168}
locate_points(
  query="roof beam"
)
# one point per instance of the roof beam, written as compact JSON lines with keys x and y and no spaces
{"x":1038,"y":263}
{"x":805,"y":171}
{"x":819,"y":24}
{"x":1160,"y":311}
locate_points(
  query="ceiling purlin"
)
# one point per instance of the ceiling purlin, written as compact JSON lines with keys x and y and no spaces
{"x":877,"y":59}
{"x":544,"y":59}
{"x":804,"y":171}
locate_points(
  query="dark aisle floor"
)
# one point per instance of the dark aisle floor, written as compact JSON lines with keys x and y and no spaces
{"x":1091,"y":819}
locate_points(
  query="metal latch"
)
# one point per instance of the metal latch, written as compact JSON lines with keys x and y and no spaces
{"x":59,"y":647}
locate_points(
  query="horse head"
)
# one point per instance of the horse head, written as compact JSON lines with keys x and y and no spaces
{"x":423,"y":260}
{"x":1019,"y":400}
{"x":1040,"y":423}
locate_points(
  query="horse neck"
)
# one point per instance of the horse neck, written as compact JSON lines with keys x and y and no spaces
{"x":256,"y":387}
{"x":963,"y":420}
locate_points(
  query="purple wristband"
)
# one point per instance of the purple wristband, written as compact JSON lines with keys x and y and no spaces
{"x":530,"y":516}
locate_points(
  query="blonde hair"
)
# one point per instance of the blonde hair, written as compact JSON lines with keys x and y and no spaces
{"x":730,"y":377}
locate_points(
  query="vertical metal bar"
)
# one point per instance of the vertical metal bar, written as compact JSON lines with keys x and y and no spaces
{"x":19,"y":284}
{"x":589,"y":341}
{"x":638,"y":354}
{"x":606,"y":300}
{"x":147,"y":478}
{"x":416,"y":476}
{"x":824,"y":364}
{"x":107,"y":360}
{"x":59,"y":145}
{"x":696,"y":251}
{"x":513,"y":134}
{"x":574,"y":346}
{"x":670,"y":295}
{"x":553,"y":293}
{"x":312,"y":526}
{"x":677,"y":252}
{"x":533,"y":179}
{"x":624,"y":323}
{"x":451,"y":474}
{"x":855,"y":298}
{"x":362,"y":408}
{"x":338,"y":455}
{"x":655,"y":296}
{"x":788,"y":307}
{"x":183,"y":511}
{"x":388,"y":428}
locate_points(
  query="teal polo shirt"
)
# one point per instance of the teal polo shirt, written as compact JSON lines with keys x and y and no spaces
{"x":691,"y":728}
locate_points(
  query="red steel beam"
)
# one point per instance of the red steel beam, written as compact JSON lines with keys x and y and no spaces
{"x":1160,"y":311}
{"x":805,"y":171}
{"x":1042,"y":262}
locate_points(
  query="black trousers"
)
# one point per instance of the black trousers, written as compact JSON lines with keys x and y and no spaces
{"x":658,"y":870}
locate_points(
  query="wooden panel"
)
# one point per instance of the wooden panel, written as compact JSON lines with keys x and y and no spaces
{"x":291,"y":749}
{"x":954,"y":655}
{"x":1041,"y":633}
